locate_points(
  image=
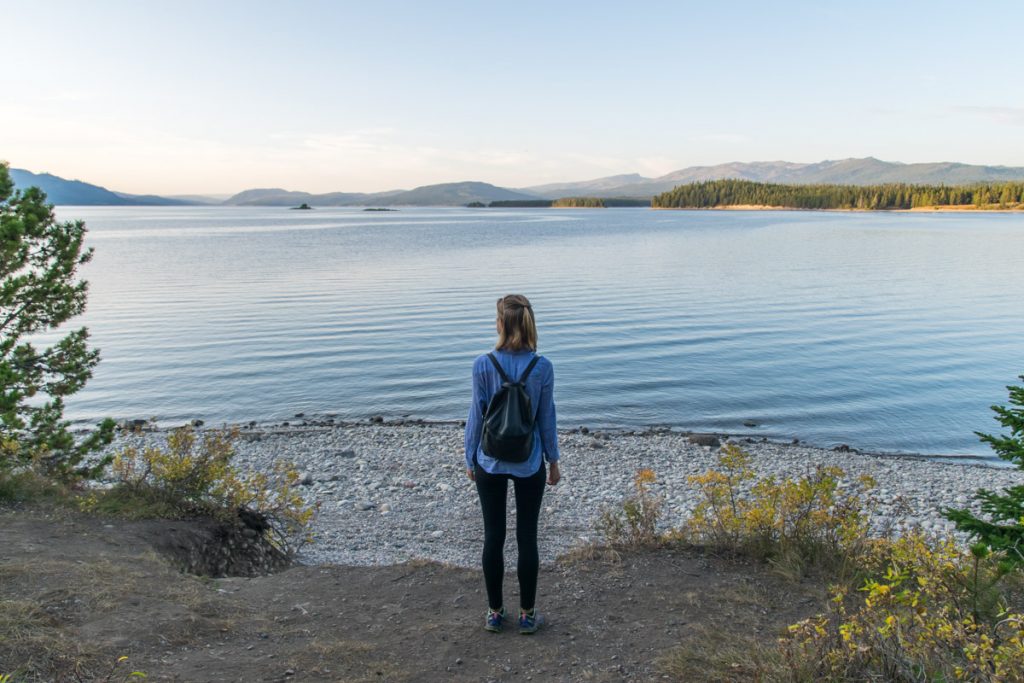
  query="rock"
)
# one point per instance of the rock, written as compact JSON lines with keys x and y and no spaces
{"x":709,"y":440}
{"x":796,"y":441}
{"x":842,"y":448}
{"x":409,"y":484}
{"x":347,"y":453}
{"x":385,"y":507}
{"x":132,"y":425}
{"x":364,"y":506}
{"x":444,"y":486}
{"x":300,"y":415}
{"x":584,"y":430}
{"x":197,"y":423}
{"x":306,"y":479}
{"x":436,"y":533}
{"x":377,"y":419}
{"x":597,"y":444}
{"x":749,"y":423}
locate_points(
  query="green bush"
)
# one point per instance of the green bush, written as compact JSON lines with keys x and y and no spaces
{"x":39,"y":292}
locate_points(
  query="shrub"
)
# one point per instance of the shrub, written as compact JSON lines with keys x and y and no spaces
{"x":195,"y":476}
{"x":635,"y":522}
{"x":929,"y":612}
{"x":912,"y":608}
{"x":811,"y":520}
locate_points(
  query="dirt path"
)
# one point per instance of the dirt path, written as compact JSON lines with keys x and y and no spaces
{"x":78,"y":592}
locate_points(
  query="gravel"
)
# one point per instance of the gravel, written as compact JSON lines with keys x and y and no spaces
{"x":391,"y":493}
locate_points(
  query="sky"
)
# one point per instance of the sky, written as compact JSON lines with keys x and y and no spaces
{"x":216,"y":97}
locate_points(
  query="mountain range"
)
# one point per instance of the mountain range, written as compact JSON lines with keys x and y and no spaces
{"x":61,"y":191}
{"x":865,"y":171}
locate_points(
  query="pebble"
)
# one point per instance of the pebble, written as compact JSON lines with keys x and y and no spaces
{"x":420,"y":469}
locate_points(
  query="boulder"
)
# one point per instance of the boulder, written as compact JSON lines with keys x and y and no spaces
{"x":705,"y":440}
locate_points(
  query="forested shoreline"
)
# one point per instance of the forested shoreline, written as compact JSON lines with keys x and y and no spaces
{"x":892,"y":196}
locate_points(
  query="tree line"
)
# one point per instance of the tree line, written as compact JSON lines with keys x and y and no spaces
{"x":878,"y":197}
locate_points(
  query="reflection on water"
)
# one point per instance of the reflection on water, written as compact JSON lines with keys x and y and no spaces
{"x":883,"y":331}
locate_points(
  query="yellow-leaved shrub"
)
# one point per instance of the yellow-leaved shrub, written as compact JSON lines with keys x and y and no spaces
{"x":635,"y":522}
{"x":903,"y":608}
{"x":792,"y":521}
{"x":929,"y":611}
{"x":195,"y":475}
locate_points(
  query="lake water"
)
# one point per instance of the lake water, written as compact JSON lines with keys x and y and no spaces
{"x":887,"y":332}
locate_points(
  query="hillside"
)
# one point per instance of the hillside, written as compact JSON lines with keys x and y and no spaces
{"x":75,"y":192}
{"x":445,"y":194}
{"x":887,"y":196}
{"x":456,"y":194}
{"x":867,"y":171}
{"x":279,"y":197}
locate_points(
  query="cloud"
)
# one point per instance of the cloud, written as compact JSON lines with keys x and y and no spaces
{"x":1009,"y":116}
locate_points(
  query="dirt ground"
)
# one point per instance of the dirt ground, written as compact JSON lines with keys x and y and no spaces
{"x":78,"y":592}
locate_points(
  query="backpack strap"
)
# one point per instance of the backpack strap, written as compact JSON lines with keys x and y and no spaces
{"x":504,"y":377}
{"x":497,"y":365}
{"x":529,"y":369}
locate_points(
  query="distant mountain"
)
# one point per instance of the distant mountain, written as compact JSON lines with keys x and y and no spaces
{"x":74,"y":192}
{"x":867,"y":171}
{"x":454,"y":194}
{"x":445,"y":194}
{"x":199,"y":198}
{"x":585,"y":187}
{"x":275,"y":196}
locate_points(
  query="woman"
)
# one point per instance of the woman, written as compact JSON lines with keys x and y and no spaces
{"x":515,"y":351}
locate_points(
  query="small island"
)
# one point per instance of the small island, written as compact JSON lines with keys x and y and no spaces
{"x":378,"y":209}
{"x":302,"y":207}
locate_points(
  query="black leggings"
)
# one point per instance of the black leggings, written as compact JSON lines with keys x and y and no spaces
{"x":493,"y":491}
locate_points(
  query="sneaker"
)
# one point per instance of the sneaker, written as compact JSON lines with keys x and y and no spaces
{"x":495,"y":618}
{"x":529,"y":622}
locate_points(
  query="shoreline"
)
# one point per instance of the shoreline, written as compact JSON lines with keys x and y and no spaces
{"x":315,"y":422}
{"x":919,"y":209}
{"x":392,"y":493}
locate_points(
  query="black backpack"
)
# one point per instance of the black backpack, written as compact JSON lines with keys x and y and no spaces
{"x":509,"y":420}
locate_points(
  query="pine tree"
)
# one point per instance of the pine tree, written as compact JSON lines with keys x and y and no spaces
{"x":1003,"y":530}
{"x":39,"y":292}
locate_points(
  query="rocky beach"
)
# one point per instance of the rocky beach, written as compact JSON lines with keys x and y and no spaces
{"x":391,"y":493}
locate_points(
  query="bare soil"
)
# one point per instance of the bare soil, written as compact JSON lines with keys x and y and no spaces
{"x":77,"y":592}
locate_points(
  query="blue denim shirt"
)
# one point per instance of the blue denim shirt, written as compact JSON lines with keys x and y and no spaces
{"x":540,"y":387}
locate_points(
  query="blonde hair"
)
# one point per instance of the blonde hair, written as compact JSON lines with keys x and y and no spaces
{"x":518,"y":331}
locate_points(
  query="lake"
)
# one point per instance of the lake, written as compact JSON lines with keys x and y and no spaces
{"x":887,"y":332}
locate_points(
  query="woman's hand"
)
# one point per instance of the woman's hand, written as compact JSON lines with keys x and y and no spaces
{"x":554,"y":474}
{"x":469,"y":473}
